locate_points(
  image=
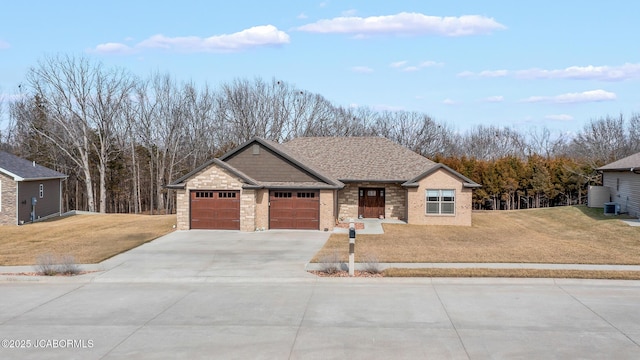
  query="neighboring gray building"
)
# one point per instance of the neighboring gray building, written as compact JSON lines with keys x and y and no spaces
{"x":622,"y":178}
{"x":28,"y":191}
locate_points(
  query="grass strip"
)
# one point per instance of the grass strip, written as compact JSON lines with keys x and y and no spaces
{"x":513,"y":273}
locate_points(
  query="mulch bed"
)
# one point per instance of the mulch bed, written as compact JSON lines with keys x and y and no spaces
{"x":358,"y":225}
{"x":41,"y":274}
{"x":356,"y":273}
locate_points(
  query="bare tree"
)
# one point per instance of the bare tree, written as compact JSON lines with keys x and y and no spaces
{"x":491,"y":142}
{"x":542,"y":142}
{"x":82,"y":100}
{"x":601,"y":141}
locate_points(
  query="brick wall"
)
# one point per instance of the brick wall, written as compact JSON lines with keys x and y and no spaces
{"x":8,"y":193}
{"x":394,"y":202}
{"x":441,"y":179}
{"x":262,"y":209}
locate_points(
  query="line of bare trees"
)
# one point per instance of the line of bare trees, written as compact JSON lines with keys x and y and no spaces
{"x":121,"y":138}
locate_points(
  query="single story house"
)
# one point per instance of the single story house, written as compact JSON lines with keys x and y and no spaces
{"x":315,"y":182}
{"x":28,"y":191}
{"x":622,"y":178}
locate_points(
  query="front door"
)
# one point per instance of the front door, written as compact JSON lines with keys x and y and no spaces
{"x":371,"y":203}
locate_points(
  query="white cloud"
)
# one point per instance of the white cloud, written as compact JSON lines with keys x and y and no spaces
{"x":498,"y":98}
{"x":571,"y":98}
{"x":448,"y":101}
{"x":4,"y":44}
{"x":590,"y":72}
{"x":257,"y":36}
{"x":398,"y":64}
{"x":405,"y":24}
{"x":404,"y":67}
{"x":362,"y":69}
{"x":113,"y":48}
{"x":484,"y":74}
{"x":559,"y":117}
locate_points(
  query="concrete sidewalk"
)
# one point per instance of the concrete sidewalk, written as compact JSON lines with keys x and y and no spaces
{"x":371,"y":226}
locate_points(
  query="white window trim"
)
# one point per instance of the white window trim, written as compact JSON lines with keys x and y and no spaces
{"x":41,"y":191}
{"x":439,"y":202}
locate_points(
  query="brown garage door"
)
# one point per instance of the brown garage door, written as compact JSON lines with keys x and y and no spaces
{"x":215,"y":210}
{"x":293,"y":209}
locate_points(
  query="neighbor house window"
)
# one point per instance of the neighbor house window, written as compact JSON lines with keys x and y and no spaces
{"x":441,"y":202}
{"x":41,"y":191}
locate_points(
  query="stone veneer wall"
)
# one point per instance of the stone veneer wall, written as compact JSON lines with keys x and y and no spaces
{"x":215,"y":178}
{"x":8,"y":196}
{"x":441,"y":179}
{"x":395,"y":200}
{"x":327,"y":209}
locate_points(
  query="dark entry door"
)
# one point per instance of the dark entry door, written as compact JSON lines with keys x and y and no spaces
{"x":371,"y":203}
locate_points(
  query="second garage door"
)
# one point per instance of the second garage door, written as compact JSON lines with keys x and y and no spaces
{"x":292,"y":209}
{"x":215,"y":210}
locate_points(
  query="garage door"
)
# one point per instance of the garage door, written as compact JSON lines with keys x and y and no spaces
{"x":215,"y":210}
{"x":294,"y":210}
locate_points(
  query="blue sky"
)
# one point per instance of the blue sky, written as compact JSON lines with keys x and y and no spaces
{"x":465,"y":63}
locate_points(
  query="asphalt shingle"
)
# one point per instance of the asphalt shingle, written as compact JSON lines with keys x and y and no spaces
{"x":26,"y":170}
{"x":359,"y":158}
{"x":627,"y":163}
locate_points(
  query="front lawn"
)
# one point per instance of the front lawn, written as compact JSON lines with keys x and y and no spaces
{"x":563,"y":235}
{"x":88,"y":238}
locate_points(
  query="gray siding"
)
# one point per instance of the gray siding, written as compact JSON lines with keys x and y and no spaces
{"x":48,"y":205}
{"x":267,"y":166}
{"x":625,"y":190}
{"x":7,"y":201}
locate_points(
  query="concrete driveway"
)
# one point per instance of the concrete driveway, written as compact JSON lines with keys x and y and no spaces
{"x":215,"y":256}
{"x":228,"y":295}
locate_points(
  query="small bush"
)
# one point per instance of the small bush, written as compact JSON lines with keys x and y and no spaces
{"x":371,"y":264}
{"x":47,"y":264}
{"x":51,"y":265}
{"x":330,"y":263}
{"x":68,"y":265}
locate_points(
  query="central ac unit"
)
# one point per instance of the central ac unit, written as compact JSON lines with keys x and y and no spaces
{"x":611,"y":208}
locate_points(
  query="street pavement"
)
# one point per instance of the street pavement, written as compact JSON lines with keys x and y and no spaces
{"x":231,"y":295}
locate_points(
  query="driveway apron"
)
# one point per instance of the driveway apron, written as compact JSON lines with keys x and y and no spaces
{"x":217,"y":256}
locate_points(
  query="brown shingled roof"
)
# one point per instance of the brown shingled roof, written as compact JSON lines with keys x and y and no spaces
{"x":359,"y":158}
{"x":626,"y":163}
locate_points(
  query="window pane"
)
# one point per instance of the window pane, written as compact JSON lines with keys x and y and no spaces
{"x":448,"y":195}
{"x":432,"y":208}
{"x":447,"y":208}
{"x":433,"y":195}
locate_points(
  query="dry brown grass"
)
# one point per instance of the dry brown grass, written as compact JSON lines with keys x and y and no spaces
{"x":571,"y":235}
{"x":88,"y":238}
{"x":514,"y":273}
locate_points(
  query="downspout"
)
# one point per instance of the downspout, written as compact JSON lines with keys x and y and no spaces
{"x":17,"y":202}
